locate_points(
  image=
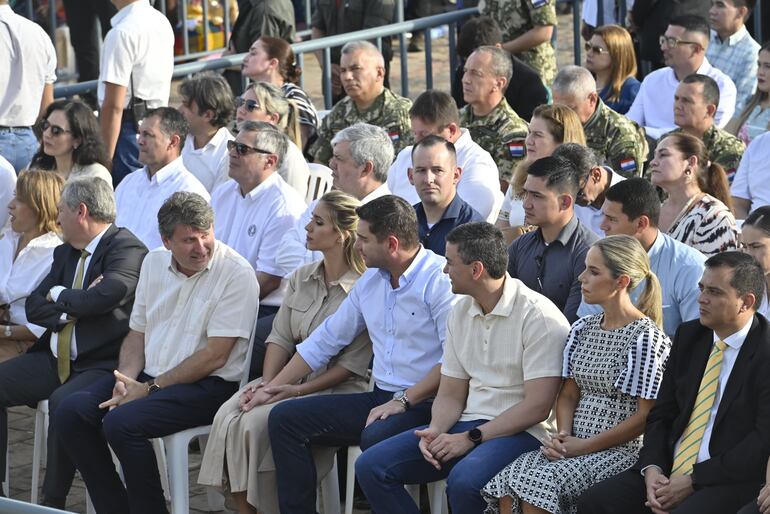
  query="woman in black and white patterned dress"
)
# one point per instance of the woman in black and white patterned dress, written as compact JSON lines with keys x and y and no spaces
{"x":613,"y":365}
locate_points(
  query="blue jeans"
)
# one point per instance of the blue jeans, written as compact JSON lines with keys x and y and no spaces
{"x":384,"y":468}
{"x":326,"y":420}
{"x":85,"y":431}
{"x":126,"y":158}
{"x":18,"y":145}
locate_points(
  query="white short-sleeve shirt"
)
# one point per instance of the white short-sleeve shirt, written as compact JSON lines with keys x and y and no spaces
{"x":751,"y":180}
{"x":210,"y":163}
{"x":139,"y":48}
{"x":27,"y":64}
{"x":140,"y":196}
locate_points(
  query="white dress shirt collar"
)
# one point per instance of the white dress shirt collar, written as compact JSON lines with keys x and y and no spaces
{"x":255,"y":193}
{"x":736,"y":339}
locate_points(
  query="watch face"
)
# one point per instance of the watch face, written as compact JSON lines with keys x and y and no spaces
{"x":398,"y":395}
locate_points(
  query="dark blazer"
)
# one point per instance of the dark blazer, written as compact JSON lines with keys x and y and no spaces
{"x":103,"y":311}
{"x":740,"y":438}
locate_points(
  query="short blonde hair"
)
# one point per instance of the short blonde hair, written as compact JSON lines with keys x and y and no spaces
{"x":342,"y":209}
{"x":273,"y":101}
{"x":40,"y":191}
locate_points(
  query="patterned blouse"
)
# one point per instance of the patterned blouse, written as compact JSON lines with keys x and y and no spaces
{"x":307,"y":112}
{"x":708,"y":226}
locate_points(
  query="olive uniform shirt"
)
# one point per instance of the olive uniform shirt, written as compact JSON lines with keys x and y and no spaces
{"x":723,"y":148}
{"x":617,"y":141}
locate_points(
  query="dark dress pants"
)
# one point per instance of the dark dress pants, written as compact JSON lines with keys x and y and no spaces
{"x":27,"y":379}
{"x":82,"y":16}
{"x":85,"y":430}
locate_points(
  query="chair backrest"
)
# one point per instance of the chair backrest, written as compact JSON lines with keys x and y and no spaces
{"x":249,"y":351}
{"x":319,"y":181}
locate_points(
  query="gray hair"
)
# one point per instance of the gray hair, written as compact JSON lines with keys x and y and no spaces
{"x":184,"y":208}
{"x":366,"y":46}
{"x":95,"y":194}
{"x":501,"y":61}
{"x":368,"y":143}
{"x":269,"y":138}
{"x":574,"y":81}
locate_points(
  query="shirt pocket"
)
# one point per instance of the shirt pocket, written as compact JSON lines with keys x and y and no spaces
{"x":198,"y":316}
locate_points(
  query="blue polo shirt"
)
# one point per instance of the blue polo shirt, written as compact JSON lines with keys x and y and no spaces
{"x":457,"y":213}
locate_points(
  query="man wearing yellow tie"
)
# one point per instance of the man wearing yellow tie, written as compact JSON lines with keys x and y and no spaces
{"x":708,"y":437}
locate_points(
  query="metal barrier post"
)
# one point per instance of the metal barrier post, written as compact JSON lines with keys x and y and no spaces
{"x":402,"y":50}
{"x":622,"y":13}
{"x":429,"y":59}
{"x":205,"y":25}
{"x":300,"y":58}
{"x":308,"y":12}
{"x":327,"y":78}
{"x":758,"y":22}
{"x":576,"y":30}
{"x":185,"y":36}
{"x":599,"y":12}
{"x":453,"y":49}
{"x":51,"y":20}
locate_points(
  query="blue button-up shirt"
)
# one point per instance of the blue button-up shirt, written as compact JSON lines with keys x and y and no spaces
{"x":457,"y":213}
{"x":679,"y":269}
{"x":737,"y":57}
{"x":407,"y":325}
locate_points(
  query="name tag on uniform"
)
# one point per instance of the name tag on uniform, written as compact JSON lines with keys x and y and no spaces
{"x":516,"y":149}
{"x":539,"y":3}
{"x":628,"y":165}
{"x":395,"y":137}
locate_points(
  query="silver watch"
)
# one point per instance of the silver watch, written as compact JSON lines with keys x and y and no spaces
{"x":400,"y":396}
{"x":8,"y":332}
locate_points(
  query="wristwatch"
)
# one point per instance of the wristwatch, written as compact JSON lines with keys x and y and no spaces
{"x":400,"y":396}
{"x":8,"y":332}
{"x":152,"y":386}
{"x":475,"y":436}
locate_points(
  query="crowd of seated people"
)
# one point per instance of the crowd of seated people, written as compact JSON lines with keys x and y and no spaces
{"x":598,"y":345}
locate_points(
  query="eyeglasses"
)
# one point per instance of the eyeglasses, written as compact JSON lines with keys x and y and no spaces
{"x":55,"y":129}
{"x":251,"y":105}
{"x":595,"y":49}
{"x":673,"y":42}
{"x":243,"y":149}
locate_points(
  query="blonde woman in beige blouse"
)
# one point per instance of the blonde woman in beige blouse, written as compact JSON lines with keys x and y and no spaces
{"x":238,"y":455}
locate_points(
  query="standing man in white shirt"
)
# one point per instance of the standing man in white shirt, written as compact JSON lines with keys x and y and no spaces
{"x":256,"y":208}
{"x":134,"y":76}
{"x":684,"y":48}
{"x":435,"y":113}
{"x":403,"y":300}
{"x":27,"y":74}
{"x":141,"y":194}
{"x":208,"y":107}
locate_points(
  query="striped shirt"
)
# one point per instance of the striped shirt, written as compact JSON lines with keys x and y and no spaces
{"x":307,"y":112}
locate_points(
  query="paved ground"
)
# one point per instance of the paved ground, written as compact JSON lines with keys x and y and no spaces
{"x":21,"y":419}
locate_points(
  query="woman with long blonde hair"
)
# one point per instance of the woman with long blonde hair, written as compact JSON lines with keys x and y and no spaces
{"x":611,"y":58}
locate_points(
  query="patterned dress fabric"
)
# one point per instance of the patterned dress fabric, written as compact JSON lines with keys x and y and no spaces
{"x":708,"y":226}
{"x":612,"y":368}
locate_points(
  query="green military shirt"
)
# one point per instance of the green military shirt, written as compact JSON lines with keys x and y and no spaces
{"x":616,"y":141}
{"x":723,"y":148}
{"x":388,"y":111}
{"x":516,"y":17}
{"x":501,"y":133}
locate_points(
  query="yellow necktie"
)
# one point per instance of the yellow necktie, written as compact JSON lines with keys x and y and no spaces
{"x":689,"y":447}
{"x":64,"y":343}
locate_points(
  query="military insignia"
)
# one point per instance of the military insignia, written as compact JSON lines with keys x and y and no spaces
{"x":628,"y":165}
{"x":394,"y":136}
{"x":252,"y":230}
{"x":537,"y":4}
{"x":516,"y":149}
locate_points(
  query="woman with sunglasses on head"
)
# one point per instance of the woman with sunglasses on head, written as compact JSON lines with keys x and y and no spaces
{"x":26,"y":254}
{"x":755,"y":118}
{"x":755,"y":238}
{"x":72,"y":143}
{"x":238,"y":452}
{"x":271,"y":60}
{"x":265,"y":102}
{"x":610,"y":57}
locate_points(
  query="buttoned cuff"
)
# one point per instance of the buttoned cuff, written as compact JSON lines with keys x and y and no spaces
{"x":55,"y":291}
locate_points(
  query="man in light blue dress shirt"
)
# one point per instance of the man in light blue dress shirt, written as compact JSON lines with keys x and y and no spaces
{"x":632,"y":207}
{"x":403,"y":300}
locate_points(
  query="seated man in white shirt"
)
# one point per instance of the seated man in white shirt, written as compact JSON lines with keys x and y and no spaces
{"x":750,"y":188}
{"x":140,"y":195}
{"x":435,"y":113}
{"x":181,"y":359}
{"x":684,"y":49}
{"x":256,"y":208}
{"x":403,"y":300}
{"x":208,"y":107}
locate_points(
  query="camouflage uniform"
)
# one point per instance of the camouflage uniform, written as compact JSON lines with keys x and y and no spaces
{"x":388,"y":111}
{"x":501,"y":133}
{"x":516,"y":17}
{"x":617,"y":141}
{"x":723,"y":148}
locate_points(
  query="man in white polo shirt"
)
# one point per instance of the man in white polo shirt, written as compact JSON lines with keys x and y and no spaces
{"x":134,"y":76}
{"x":256,"y":208}
{"x":142,"y":192}
{"x":27,"y":74}
{"x":435,"y":113}
{"x":208,"y":107}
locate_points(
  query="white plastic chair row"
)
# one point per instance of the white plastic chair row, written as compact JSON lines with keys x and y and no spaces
{"x":319,"y":181}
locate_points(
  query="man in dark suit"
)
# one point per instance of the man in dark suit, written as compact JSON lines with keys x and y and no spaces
{"x":708,"y":437}
{"x":84,"y":303}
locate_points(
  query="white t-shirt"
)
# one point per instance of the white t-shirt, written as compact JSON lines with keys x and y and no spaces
{"x":512,"y":209}
{"x":479,"y":183}
{"x":751,"y":180}
{"x":139,"y":197}
{"x":27,"y":64}
{"x":139,"y":48}
{"x":7,"y":189}
{"x":211,"y":162}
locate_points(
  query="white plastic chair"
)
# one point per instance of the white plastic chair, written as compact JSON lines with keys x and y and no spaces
{"x":319,"y":181}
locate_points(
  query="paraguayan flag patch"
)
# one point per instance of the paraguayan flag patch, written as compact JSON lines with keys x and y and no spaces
{"x":628,"y":165}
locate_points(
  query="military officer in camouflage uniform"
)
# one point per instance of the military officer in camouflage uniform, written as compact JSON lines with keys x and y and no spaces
{"x":493,"y":124}
{"x":527,"y":27}
{"x":695,"y":104}
{"x":617,"y":141}
{"x":362,"y":70}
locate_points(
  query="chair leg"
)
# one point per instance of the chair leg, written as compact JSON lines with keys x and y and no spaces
{"x":350,"y":478}
{"x":7,"y":482}
{"x":40,"y":439}
{"x":178,"y":459}
{"x":330,"y":491}
{"x":160,"y":457}
{"x":436,"y":493}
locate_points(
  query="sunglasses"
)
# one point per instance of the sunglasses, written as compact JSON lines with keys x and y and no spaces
{"x":242,"y":149}
{"x":672,"y":42}
{"x":251,"y":105}
{"x":55,"y":129}
{"x":595,"y":49}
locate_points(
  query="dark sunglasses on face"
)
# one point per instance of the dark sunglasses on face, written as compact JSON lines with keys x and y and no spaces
{"x":242,"y":149}
{"x":251,"y":105}
{"x":55,"y":129}
{"x":595,"y":49}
